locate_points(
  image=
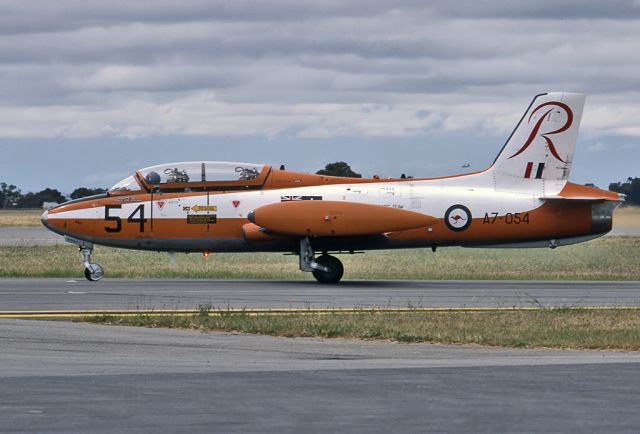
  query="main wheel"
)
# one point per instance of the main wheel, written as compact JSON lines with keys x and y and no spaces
{"x":336,"y":270}
{"x":93,"y":272}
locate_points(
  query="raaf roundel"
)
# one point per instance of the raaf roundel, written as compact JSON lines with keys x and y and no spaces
{"x":522,"y":200}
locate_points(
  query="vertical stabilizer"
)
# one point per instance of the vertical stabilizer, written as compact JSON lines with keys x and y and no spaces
{"x":539,"y":152}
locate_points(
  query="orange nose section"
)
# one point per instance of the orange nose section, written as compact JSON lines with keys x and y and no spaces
{"x":77,"y":219}
{"x":335,"y":218}
{"x":58,"y":226}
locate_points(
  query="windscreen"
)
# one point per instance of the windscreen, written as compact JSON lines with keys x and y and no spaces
{"x":127,"y":184}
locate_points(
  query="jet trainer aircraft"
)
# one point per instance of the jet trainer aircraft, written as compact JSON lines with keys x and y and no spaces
{"x":522,"y":200}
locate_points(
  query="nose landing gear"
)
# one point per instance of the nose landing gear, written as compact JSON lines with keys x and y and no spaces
{"x":92,"y":271}
{"x":325,"y":268}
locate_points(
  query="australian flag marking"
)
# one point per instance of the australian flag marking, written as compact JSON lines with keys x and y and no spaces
{"x":292,"y":198}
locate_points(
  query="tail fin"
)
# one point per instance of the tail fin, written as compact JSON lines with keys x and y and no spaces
{"x":541,"y":147}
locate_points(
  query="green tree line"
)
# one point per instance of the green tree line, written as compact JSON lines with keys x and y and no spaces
{"x":631,"y":188}
{"x":12,"y":197}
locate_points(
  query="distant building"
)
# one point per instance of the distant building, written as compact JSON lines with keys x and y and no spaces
{"x":49,"y":205}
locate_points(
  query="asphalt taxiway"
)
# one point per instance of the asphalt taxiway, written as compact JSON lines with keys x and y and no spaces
{"x":148,"y":294}
{"x":58,"y":376}
{"x":28,"y":236}
{"x":77,"y":378}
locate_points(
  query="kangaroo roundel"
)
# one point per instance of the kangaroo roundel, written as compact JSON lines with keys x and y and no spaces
{"x":457,"y":218}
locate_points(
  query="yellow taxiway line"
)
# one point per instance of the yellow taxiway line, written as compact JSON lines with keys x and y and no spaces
{"x":286,"y":311}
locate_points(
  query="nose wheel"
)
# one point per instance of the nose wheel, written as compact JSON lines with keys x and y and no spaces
{"x":92,"y":271}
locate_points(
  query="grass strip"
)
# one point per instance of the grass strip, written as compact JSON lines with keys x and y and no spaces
{"x":576,"y":328}
{"x":608,"y":258}
{"x":21,"y":217}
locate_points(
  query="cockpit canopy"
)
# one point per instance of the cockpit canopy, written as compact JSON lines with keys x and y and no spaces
{"x":194,"y":175}
{"x":201,"y":172}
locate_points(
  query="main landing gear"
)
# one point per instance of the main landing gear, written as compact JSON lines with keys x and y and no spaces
{"x":92,"y":271}
{"x":325,"y":268}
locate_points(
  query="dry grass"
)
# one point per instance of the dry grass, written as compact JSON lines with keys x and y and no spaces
{"x":550,"y":328}
{"x":609,"y":258}
{"x":627,"y":216}
{"x":21,"y":217}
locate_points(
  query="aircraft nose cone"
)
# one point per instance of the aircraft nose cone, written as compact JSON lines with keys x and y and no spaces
{"x":45,"y":219}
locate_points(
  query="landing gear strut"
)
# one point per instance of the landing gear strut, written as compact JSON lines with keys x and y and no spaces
{"x":326,"y":268}
{"x":92,"y":271}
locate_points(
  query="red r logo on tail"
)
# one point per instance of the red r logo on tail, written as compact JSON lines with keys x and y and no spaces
{"x":536,"y":128}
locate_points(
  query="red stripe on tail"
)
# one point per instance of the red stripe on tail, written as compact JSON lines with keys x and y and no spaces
{"x":527,"y":172}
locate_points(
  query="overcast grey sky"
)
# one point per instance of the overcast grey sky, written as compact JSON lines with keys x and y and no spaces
{"x":91,"y":90}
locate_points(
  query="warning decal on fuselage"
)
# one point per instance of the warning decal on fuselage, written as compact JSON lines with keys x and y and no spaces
{"x":197,"y":219}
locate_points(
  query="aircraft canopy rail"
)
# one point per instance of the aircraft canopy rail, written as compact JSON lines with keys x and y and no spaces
{"x":203,"y":175}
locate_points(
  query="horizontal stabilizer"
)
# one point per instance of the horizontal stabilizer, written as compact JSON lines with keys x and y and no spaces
{"x":323,"y":218}
{"x":582,"y":198}
{"x":575,"y":198}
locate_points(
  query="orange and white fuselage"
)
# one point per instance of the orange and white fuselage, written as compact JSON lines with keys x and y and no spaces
{"x":523,"y":199}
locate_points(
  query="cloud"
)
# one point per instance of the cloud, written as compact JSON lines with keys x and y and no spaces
{"x":302,"y":69}
{"x":597,"y":147}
